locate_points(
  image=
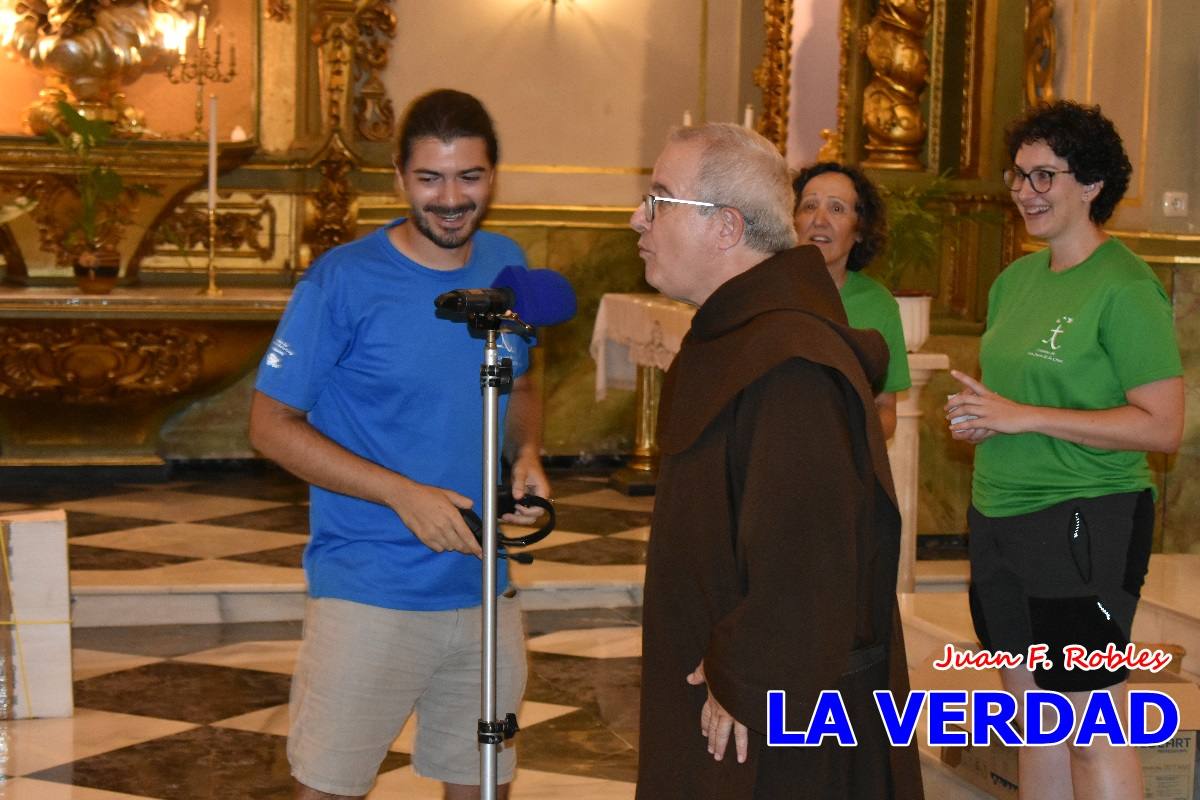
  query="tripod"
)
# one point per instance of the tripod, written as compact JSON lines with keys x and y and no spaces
{"x":495,"y":377}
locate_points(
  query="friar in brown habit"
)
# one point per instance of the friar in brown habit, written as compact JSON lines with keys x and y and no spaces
{"x":775,"y":538}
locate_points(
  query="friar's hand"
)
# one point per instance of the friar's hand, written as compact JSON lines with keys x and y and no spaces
{"x":716,"y":723}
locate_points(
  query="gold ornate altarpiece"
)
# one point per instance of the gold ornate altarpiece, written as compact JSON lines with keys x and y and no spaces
{"x":90,"y":380}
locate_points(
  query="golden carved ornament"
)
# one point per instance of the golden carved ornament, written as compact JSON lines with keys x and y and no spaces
{"x":330,"y":214}
{"x":353,"y":46}
{"x":57,"y":206}
{"x":90,"y":364}
{"x":91,"y":48}
{"x":773,"y":73}
{"x":894,"y":44}
{"x":237,"y":231}
{"x":352,"y":41}
{"x":1040,"y":44}
{"x":279,"y":10}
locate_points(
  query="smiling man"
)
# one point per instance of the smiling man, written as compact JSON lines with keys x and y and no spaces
{"x":775,"y":537}
{"x":373,"y":400}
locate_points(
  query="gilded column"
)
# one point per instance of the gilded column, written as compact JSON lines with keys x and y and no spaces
{"x":1039,"y":52}
{"x":352,"y":40}
{"x":772,"y":75}
{"x":894,"y":44}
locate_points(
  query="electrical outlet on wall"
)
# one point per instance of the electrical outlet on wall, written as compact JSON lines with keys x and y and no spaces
{"x":1175,"y":204}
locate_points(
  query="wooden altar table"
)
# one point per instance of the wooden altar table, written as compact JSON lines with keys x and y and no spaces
{"x":90,"y":379}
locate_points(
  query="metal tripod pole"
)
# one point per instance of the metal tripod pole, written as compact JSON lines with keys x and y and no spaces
{"x":490,"y":379}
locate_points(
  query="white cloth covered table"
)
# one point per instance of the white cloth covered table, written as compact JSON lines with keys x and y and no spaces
{"x":634,"y":330}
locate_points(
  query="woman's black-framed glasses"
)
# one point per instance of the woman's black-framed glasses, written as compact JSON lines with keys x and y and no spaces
{"x":1040,"y":179}
{"x":649,"y":201}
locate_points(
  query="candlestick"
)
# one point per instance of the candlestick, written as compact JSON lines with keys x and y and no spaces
{"x":204,"y":65}
{"x":212,"y":290}
{"x":212,"y":151}
{"x":748,"y":117}
{"x":687,"y":118}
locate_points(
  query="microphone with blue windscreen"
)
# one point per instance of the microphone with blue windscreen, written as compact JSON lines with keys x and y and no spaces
{"x":539,"y":297}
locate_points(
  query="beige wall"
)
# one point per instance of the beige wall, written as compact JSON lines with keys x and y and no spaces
{"x":583,"y":91}
{"x":1138,"y":60}
{"x":816,"y":60}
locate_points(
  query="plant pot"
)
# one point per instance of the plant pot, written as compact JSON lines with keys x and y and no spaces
{"x":914,"y":318}
{"x":96,"y":271}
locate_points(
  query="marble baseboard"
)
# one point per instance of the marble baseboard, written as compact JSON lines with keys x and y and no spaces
{"x":543,"y":598}
{"x":942,"y":576}
{"x":114,"y":608}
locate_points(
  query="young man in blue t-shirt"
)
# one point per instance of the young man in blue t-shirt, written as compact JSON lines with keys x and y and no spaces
{"x":373,"y":400}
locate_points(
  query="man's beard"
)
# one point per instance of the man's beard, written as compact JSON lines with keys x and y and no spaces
{"x":450,"y":241}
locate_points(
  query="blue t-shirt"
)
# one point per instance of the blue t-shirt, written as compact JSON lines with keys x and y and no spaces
{"x":361,"y":350}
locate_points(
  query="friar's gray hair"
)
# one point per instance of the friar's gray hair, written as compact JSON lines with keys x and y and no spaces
{"x":741,"y":169}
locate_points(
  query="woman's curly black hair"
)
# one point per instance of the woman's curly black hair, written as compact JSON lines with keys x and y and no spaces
{"x":1086,"y":140}
{"x":872,"y":217}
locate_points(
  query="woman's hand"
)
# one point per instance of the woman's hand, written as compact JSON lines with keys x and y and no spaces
{"x":1150,"y":420}
{"x":977,"y":413}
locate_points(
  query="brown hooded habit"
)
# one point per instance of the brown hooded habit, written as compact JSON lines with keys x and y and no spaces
{"x":774,"y":546}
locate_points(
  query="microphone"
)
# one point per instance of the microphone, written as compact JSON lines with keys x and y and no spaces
{"x":538,"y":296}
{"x":475,"y":301}
{"x":541,"y":296}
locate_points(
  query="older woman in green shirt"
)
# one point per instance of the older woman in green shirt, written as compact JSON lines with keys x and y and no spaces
{"x":839,"y":210}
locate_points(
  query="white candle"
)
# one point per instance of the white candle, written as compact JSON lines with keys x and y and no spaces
{"x":748,"y":117}
{"x":212,"y":152}
{"x":687,"y":118}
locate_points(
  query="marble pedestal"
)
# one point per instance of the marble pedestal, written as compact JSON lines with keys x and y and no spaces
{"x":35,"y":649}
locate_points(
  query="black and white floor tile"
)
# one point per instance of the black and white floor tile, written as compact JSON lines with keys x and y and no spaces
{"x":183,"y":712}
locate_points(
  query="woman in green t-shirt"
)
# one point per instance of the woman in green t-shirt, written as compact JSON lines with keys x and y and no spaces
{"x":1081,"y":377}
{"x":839,"y":210}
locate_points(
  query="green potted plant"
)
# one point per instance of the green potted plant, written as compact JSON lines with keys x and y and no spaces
{"x":914,"y":246}
{"x":101,"y":203}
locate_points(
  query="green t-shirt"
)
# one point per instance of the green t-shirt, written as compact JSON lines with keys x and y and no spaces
{"x":870,"y":305}
{"x":1074,"y":339}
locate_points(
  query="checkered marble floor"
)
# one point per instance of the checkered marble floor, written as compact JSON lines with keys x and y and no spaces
{"x":184,"y":711}
{"x":225,"y":544}
{"x":200,"y":711}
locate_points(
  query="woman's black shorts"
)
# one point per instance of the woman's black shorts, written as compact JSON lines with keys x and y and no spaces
{"x":1070,"y":574}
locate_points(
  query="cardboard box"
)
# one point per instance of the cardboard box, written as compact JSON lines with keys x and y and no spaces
{"x":1169,"y":770}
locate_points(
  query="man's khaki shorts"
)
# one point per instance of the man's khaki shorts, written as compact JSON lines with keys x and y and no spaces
{"x":363,"y":670}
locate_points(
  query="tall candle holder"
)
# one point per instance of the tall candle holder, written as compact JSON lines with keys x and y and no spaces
{"x":203,"y":66}
{"x":212,"y":289}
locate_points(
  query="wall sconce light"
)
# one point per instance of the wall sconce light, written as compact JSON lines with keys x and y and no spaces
{"x":90,"y":49}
